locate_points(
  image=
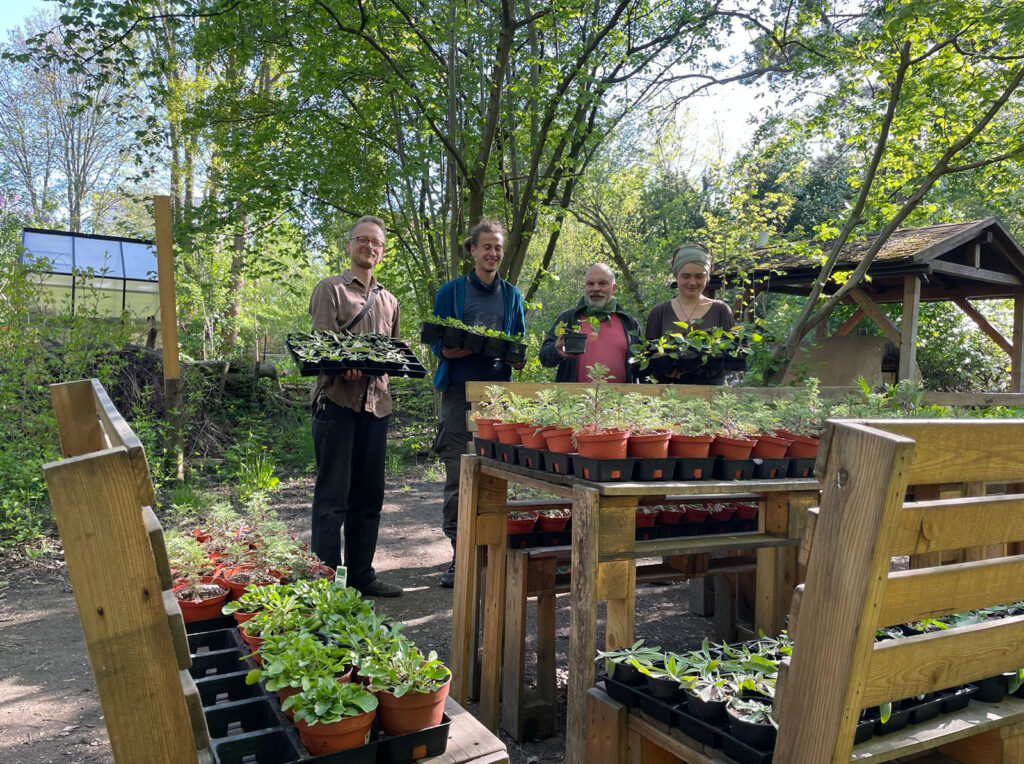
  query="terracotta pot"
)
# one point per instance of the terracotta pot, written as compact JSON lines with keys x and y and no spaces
{"x":208,"y":607}
{"x":696,"y":514}
{"x":545,"y":523}
{"x":724,"y":512}
{"x":411,"y":712}
{"x":521,"y":525}
{"x":646,"y":519}
{"x":253,"y":643}
{"x":732,"y":448}
{"x":803,"y":446}
{"x":770,"y":447}
{"x":507,"y":433}
{"x":745,"y":511}
{"x":485,"y":428}
{"x":237,"y":588}
{"x":533,"y":438}
{"x":283,"y":695}
{"x":653,"y":446}
{"x":671,"y":516}
{"x":602,"y":445}
{"x":349,"y":732}
{"x":689,"y":446}
{"x":241,"y":617}
{"x":559,"y":440}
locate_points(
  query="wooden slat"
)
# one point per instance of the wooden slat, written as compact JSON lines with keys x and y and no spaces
{"x":934,"y":526}
{"x":957,"y":451}
{"x":464,"y":596}
{"x":77,"y":420}
{"x":516,"y":583}
{"x":983,"y":323}
{"x":976,"y":274}
{"x":176,"y":628}
{"x":875,"y":313}
{"x":468,"y":741}
{"x":928,"y":662}
{"x":690,"y":545}
{"x":1017,"y":355}
{"x":165,"y":276}
{"x":117,"y":432}
{"x":118,"y":593}
{"x":525,"y":479}
{"x":861,"y":499}
{"x":194,"y":703}
{"x":156,"y":543}
{"x":908,"y":328}
{"x":607,"y":719}
{"x":931,"y":592}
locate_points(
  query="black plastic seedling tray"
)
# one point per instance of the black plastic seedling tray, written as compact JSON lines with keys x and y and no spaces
{"x":506,"y":453}
{"x":603,"y":470}
{"x":655,"y":469}
{"x":409,"y":367}
{"x":483,"y":447}
{"x":733,"y":469}
{"x":531,"y":458}
{"x":694,"y":469}
{"x":771,"y":469}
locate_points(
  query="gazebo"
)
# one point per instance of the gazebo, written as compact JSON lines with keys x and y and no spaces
{"x":957,"y":262}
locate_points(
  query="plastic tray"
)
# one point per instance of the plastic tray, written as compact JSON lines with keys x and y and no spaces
{"x":558,"y":463}
{"x":410,"y":367}
{"x":769,"y":469}
{"x":694,"y":469}
{"x":801,"y":468}
{"x":506,"y":453}
{"x":483,"y":447}
{"x":733,"y":469}
{"x":603,"y":470}
{"x":655,"y":469}
{"x":531,"y":458}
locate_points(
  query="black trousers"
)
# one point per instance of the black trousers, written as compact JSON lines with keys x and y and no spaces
{"x":349,"y":488}
{"x":450,"y":445}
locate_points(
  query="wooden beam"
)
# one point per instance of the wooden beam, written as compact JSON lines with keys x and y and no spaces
{"x":975,"y":255}
{"x":875,"y":313}
{"x":908,"y":328}
{"x":1016,"y":373}
{"x":165,"y":276}
{"x":994,"y":334}
{"x":850,"y":324}
{"x":976,"y":274}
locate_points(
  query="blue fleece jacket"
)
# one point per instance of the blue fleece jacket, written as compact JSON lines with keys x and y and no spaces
{"x":450,"y":302}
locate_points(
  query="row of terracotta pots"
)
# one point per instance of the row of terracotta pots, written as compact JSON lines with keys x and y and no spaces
{"x":617,"y":444}
{"x":537,"y":521}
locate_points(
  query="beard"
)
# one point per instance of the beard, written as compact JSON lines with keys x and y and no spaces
{"x":600,"y":302}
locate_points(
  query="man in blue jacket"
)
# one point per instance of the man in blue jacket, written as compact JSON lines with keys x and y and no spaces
{"x":480,"y":298}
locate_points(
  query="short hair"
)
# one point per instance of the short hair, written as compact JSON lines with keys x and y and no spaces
{"x":369,"y":219}
{"x":486,"y":225}
{"x":605,"y":266}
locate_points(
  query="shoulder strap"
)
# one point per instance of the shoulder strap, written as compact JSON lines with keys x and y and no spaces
{"x":366,"y":307}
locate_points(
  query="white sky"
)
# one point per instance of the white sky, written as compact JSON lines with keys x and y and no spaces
{"x":14,"y":12}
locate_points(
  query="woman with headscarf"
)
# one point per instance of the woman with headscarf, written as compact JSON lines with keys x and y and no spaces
{"x":691,"y":267}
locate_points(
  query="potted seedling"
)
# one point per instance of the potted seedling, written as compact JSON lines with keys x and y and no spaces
{"x":553,"y":519}
{"x":734,"y":430}
{"x":626,"y":662}
{"x":668,"y":680}
{"x":692,"y":426}
{"x":800,"y":419}
{"x":601,"y":435}
{"x":332,"y":716}
{"x":198,"y":594}
{"x":574,"y":339}
{"x":293,"y":661}
{"x":521,"y":522}
{"x":751,"y":722}
{"x":646,"y":417}
{"x":411,"y":688}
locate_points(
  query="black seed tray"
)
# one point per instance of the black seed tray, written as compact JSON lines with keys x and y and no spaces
{"x":403,"y":749}
{"x":218,"y":662}
{"x":229,"y":719}
{"x":956,"y":699}
{"x":603,"y":470}
{"x":516,"y":352}
{"x":653,"y":707}
{"x":483,"y":447}
{"x":898,"y":720}
{"x":558,"y":463}
{"x":272,"y":746}
{"x":925,"y":710}
{"x":521,"y":540}
{"x":506,"y":453}
{"x":770,"y":469}
{"x":655,"y":469}
{"x":222,"y":636}
{"x":743,"y":753}
{"x":553,"y":538}
{"x":226,"y":687}
{"x":801,"y":468}
{"x":621,"y":693}
{"x":694,"y":469}
{"x":696,"y":728}
{"x":430,"y":332}
{"x":733,"y":469}
{"x":991,"y":689}
{"x":531,"y":458}
{"x":865,"y":731}
{"x":474,"y":342}
{"x":410,"y":366}
{"x":650,"y":532}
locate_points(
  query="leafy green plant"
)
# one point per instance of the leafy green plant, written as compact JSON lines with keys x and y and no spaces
{"x":752,"y":710}
{"x":405,"y":669}
{"x":327,"y":700}
{"x":645,"y":656}
{"x":297,"y":659}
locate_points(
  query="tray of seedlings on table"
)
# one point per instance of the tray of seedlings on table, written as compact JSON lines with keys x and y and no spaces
{"x":605,"y":435}
{"x":722,"y":695}
{"x":319,"y":352}
{"x":451,"y":332}
{"x":691,"y":350}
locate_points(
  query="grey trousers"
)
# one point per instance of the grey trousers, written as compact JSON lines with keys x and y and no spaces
{"x":450,"y":445}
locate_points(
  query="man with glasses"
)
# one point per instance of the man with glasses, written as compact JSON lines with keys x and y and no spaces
{"x":350,"y":417}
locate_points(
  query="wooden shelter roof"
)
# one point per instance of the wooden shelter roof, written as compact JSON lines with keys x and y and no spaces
{"x":978,"y":259}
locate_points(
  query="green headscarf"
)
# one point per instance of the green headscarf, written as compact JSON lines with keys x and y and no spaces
{"x":690,"y":253}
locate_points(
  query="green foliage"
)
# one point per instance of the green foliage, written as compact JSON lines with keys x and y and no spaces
{"x":403,"y":669}
{"x":253,"y":468}
{"x":328,"y":700}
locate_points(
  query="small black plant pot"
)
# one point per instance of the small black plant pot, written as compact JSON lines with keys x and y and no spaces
{"x":991,"y":690}
{"x":516,"y":352}
{"x":627,"y":673}
{"x":453,"y":336}
{"x":665,"y":690}
{"x":710,"y":711}
{"x":475,"y":342}
{"x":495,"y":347}
{"x":756,"y":735}
{"x":575,"y":342}
{"x":430,"y":333}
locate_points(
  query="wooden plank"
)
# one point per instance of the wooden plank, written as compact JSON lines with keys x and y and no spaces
{"x":582,"y":618}
{"x":620,"y":610}
{"x":974,"y":399}
{"x":806,"y":542}
{"x":977,"y":274}
{"x":546,"y":684}
{"x":983,"y":748}
{"x":524,"y":478}
{"x":464,"y":595}
{"x":863,"y":489}
{"x":1016,"y":362}
{"x":990,"y":450}
{"x":689,"y":545}
{"x":908,"y":327}
{"x":709,"y":487}
{"x":516,"y":576}
{"x":933,"y":526}
{"x":156,"y":542}
{"x":194,"y":703}
{"x":851,"y":323}
{"x":930,"y":592}
{"x":964,"y":725}
{"x":615,"y":580}
{"x":110,"y":564}
{"x":494,"y":629}
{"x":468,"y":741}
{"x":176,"y":628}
{"x":659,"y":743}
{"x":165,"y":278}
{"x":607,"y":742}
{"x":983,"y":323}
{"x":875,"y":314}
{"x":618,"y":526}
{"x":118,"y":432}
{"x":77,"y":420}
{"x":928,"y":662}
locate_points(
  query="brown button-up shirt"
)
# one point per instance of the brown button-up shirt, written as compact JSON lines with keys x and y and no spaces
{"x":335,"y":301}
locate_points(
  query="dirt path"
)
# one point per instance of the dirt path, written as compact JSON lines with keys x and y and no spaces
{"x":50,"y":710}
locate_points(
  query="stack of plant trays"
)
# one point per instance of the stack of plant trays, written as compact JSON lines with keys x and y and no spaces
{"x":246,"y":722}
{"x":409,"y":366}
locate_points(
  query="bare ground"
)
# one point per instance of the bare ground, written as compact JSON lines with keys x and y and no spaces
{"x":50,"y":711}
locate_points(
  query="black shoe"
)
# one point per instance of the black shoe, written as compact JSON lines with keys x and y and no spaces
{"x":448,"y":577}
{"x":378,"y":588}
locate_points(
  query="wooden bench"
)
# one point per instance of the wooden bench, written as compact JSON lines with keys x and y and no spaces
{"x":103,"y":500}
{"x":837,"y":667}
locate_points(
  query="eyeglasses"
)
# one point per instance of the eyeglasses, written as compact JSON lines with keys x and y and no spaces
{"x":362,"y":241}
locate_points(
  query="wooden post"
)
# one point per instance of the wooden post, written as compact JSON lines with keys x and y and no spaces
{"x":1016,"y":374}
{"x":174,"y":398}
{"x":908,"y":329}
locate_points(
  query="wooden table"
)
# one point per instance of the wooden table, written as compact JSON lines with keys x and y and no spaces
{"x":604,"y":551}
